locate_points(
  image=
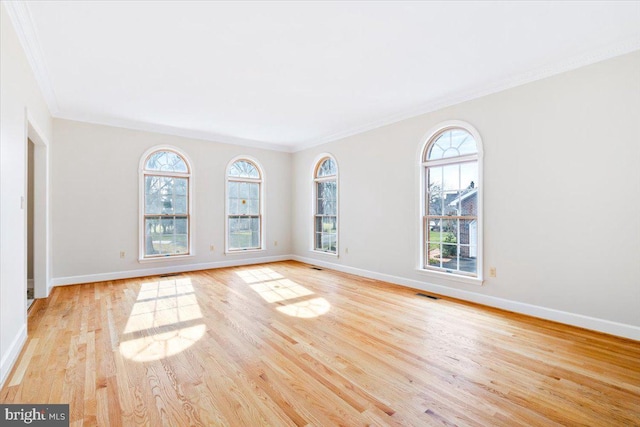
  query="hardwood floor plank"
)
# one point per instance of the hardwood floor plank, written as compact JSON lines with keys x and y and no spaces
{"x":283,"y":344}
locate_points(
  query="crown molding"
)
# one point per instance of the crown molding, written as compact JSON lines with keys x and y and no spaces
{"x":21,"y":18}
{"x":23,"y":24}
{"x":615,"y":49}
{"x":171,"y":130}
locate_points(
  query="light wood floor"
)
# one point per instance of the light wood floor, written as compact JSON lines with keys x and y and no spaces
{"x":283,"y":344}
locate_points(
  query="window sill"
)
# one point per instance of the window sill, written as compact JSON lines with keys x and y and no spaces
{"x":325,"y":253}
{"x":164,"y":258}
{"x":450,"y":277}
{"x":244,"y":251}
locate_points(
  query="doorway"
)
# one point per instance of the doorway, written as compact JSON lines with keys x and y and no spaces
{"x":37,"y":253}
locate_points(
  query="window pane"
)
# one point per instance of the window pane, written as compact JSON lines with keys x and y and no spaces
{"x":254,"y":207}
{"x":439,"y":146}
{"x":244,"y":169}
{"x":452,"y":203}
{"x":166,"y":235}
{"x":329,"y":224}
{"x":244,"y":198}
{"x":452,"y":143}
{"x":469,"y":203}
{"x":180,"y":205}
{"x":469,"y":236}
{"x":435,"y":179}
{"x":243,"y":190}
{"x":468,"y":264}
{"x":436,"y":201}
{"x":166,"y":161}
{"x":327,"y":168}
{"x":232,"y":188}
{"x":327,"y":198}
{"x":433,"y":243}
{"x":244,"y":232}
{"x":254,"y":191}
{"x":328,"y":242}
{"x":165,"y":195}
{"x":451,"y":177}
{"x":152,"y":195}
{"x":468,"y":175}
{"x":463,"y":141}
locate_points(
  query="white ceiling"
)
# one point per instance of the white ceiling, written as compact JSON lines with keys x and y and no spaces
{"x":289,"y":75}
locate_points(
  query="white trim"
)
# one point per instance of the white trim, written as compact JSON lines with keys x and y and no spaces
{"x":165,"y":258}
{"x":331,"y":254}
{"x":573,"y":319}
{"x":244,"y":251}
{"x":20,"y":16}
{"x":141,"y":207}
{"x":420,"y":176}
{"x":42,"y":206}
{"x":262,"y":181}
{"x":117,"y":275}
{"x":314,"y":180}
{"x":450,"y":277}
{"x":171,"y":130}
{"x":567,"y":64}
{"x":12,"y":353}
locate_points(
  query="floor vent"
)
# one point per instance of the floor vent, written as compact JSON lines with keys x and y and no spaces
{"x":426,"y":296}
{"x":316,"y":268}
{"x":170,"y":275}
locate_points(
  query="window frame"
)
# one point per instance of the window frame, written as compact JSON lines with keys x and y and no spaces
{"x":261,"y":216}
{"x":424,"y":164}
{"x":315,"y":181}
{"x":142,"y":215}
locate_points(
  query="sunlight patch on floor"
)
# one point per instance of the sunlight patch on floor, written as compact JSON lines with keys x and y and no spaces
{"x":306,"y":309}
{"x":280,"y":290}
{"x":161,"y":322}
{"x":275,"y":288}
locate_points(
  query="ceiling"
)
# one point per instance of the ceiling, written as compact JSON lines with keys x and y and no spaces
{"x":290,"y":75}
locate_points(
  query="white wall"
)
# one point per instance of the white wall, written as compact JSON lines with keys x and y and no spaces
{"x":95,"y":202}
{"x":562,"y":198}
{"x":19,"y":97}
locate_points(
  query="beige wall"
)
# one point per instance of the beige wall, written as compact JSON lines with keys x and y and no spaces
{"x":562,"y":198}
{"x":19,"y":96}
{"x":95,"y":204}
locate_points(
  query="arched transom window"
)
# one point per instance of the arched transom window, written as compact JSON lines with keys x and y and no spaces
{"x":166,"y":204}
{"x":326,"y":206}
{"x":244,"y":205}
{"x":451,"y":217}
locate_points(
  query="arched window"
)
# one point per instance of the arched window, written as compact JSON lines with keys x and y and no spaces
{"x":244,"y":205}
{"x":165,"y":204}
{"x":326,"y":205}
{"x":451,"y":219}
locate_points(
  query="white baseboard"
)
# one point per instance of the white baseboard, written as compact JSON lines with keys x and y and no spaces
{"x":101,"y":277}
{"x":592,"y":323}
{"x":11,"y":355}
{"x":587,"y":322}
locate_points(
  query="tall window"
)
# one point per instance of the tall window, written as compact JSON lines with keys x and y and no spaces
{"x":244,"y":205}
{"x":326,"y":206}
{"x":451,"y":203}
{"x":166,"y":176}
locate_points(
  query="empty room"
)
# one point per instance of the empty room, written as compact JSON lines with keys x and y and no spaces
{"x":320,"y":213}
